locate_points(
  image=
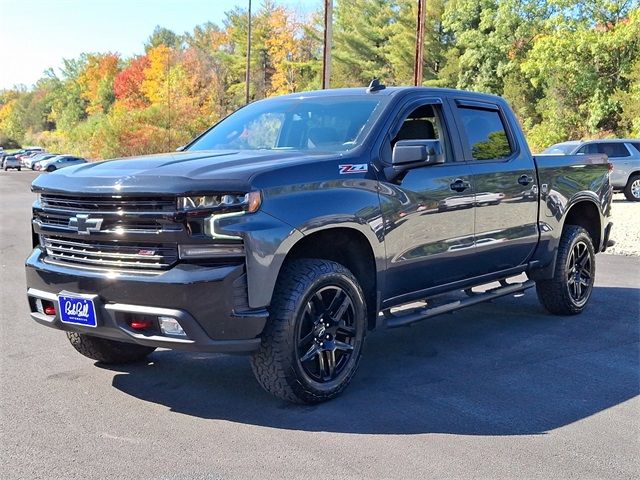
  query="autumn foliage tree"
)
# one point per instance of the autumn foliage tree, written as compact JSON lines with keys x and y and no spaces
{"x":127,"y":85}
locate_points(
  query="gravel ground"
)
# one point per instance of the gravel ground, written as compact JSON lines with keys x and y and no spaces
{"x":626,"y":227}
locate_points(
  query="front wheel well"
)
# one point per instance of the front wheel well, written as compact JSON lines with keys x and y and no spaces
{"x":585,"y":214}
{"x":350,"y":248}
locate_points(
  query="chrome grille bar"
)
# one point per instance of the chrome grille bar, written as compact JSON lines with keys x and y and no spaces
{"x":110,"y":254}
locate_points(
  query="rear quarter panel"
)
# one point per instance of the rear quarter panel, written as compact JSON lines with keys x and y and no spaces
{"x":564,"y":181}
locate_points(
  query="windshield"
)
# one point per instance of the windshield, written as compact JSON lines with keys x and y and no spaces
{"x":328,"y":124}
{"x":560,"y":149}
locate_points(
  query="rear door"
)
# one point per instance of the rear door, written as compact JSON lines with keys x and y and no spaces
{"x":505,"y":182}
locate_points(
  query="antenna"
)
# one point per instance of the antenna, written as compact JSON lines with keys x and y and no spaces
{"x":375,"y":86}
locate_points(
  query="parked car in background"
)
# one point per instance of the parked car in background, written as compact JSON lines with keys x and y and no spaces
{"x":11,"y":161}
{"x":58,"y":162}
{"x":28,"y":151}
{"x":624,"y":155}
{"x":30,"y":162}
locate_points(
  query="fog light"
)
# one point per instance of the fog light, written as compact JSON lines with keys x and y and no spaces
{"x":170,"y":326}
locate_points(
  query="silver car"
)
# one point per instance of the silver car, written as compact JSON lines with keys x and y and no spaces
{"x":58,"y":162}
{"x":11,"y":161}
{"x":29,"y":162}
{"x":624,"y":155}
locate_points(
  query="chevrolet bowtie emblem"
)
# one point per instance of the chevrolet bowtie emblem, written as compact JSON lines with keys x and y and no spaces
{"x":84,"y":224}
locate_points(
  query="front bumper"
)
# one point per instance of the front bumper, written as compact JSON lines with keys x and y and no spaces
{"x":209,"y":302}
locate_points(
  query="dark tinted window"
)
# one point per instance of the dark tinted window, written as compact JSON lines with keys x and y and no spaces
{"x":613,"y":149}
{"x":636,"y":145}
{"x":485,"y":133}
{"x":586,"y":149}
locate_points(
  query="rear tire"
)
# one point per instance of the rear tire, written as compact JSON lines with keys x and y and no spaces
{"x":108,"y":351}
{"x":632,"y":188}
{"x":568,"y":292}
{"x":51,"y":168}
{"x":311,"y":345}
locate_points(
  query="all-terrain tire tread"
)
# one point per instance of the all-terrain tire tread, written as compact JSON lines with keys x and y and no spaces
{"x":108,"y":351}
{"x":268,"y":362}
{"x":552,"y":293}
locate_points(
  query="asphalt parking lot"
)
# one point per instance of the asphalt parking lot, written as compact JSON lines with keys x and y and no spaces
{"x":498,"y":391}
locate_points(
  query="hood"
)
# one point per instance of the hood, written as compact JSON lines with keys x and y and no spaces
{"x":172,"y":173}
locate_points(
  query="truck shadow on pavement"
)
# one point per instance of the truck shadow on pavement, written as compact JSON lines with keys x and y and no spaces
{"x":504,"y":368}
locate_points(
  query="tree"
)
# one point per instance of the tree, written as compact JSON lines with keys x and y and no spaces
{"x":163,"y":36}
{"x":402,"y":41}
{"x":96,"y":81}
{"x":362,"y":32}
{"x":127,"y":85}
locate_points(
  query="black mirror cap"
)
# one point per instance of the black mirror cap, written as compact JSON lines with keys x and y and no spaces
{"x":408,"y":153}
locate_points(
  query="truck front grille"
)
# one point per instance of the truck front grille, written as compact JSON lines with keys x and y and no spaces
{"x":112,"y":224}
{"x":88,"y":203}
{"x":110,"y":254}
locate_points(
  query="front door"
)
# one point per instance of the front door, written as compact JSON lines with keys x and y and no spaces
{"x":428,"y":212}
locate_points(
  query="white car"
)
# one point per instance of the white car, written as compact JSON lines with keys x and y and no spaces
{"x":58,"y":162}
{"x":30,"y":162}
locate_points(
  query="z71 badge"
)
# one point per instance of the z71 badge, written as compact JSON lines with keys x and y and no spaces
{"x":353,"y":168}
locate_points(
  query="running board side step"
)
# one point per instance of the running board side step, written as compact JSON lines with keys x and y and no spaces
{"x":400,"y":320}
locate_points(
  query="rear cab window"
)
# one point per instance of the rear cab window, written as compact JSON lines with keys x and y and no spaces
{"x":485,"y":133}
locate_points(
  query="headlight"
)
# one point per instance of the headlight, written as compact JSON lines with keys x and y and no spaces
{"x":249,"y":202}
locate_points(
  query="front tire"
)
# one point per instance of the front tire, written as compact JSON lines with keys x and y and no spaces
{"x":51,"y":168}
{"x":568,"y":292}
{"x":632,"y":188}
{"x":108,"y":351}
{"x":312,"y":343}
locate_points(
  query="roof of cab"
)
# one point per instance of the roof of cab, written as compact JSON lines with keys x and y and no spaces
{"x":387,"y":91}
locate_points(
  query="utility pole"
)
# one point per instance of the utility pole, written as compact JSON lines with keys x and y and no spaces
{"x":247,"y":78}
{"x":417,"y":66}
{"x":326,"y":58}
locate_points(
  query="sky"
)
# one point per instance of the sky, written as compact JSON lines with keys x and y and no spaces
{"x":38,"y":34}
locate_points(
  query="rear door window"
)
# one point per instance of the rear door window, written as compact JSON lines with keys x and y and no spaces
{"x":613,"y":150}
{"x":486,"y":134}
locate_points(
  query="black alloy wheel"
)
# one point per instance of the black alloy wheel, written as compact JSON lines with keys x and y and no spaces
{"x":570,"y":288}
{"x":580,"y":273}
{"x":312,"y":342}
{"x":326,"y":334}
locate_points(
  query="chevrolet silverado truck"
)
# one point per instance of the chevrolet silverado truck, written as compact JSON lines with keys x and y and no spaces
{"x":298,"y":224}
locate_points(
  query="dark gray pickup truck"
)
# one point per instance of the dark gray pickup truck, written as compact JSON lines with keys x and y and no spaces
{"x":299,"y":223}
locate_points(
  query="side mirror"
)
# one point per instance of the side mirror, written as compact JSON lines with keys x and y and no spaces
{"x":417,"y":153}
{"x":408,"y":154}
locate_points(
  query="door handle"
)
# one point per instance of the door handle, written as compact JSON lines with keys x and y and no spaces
{"x":459,"y":185}
{"x":525,"y":180}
